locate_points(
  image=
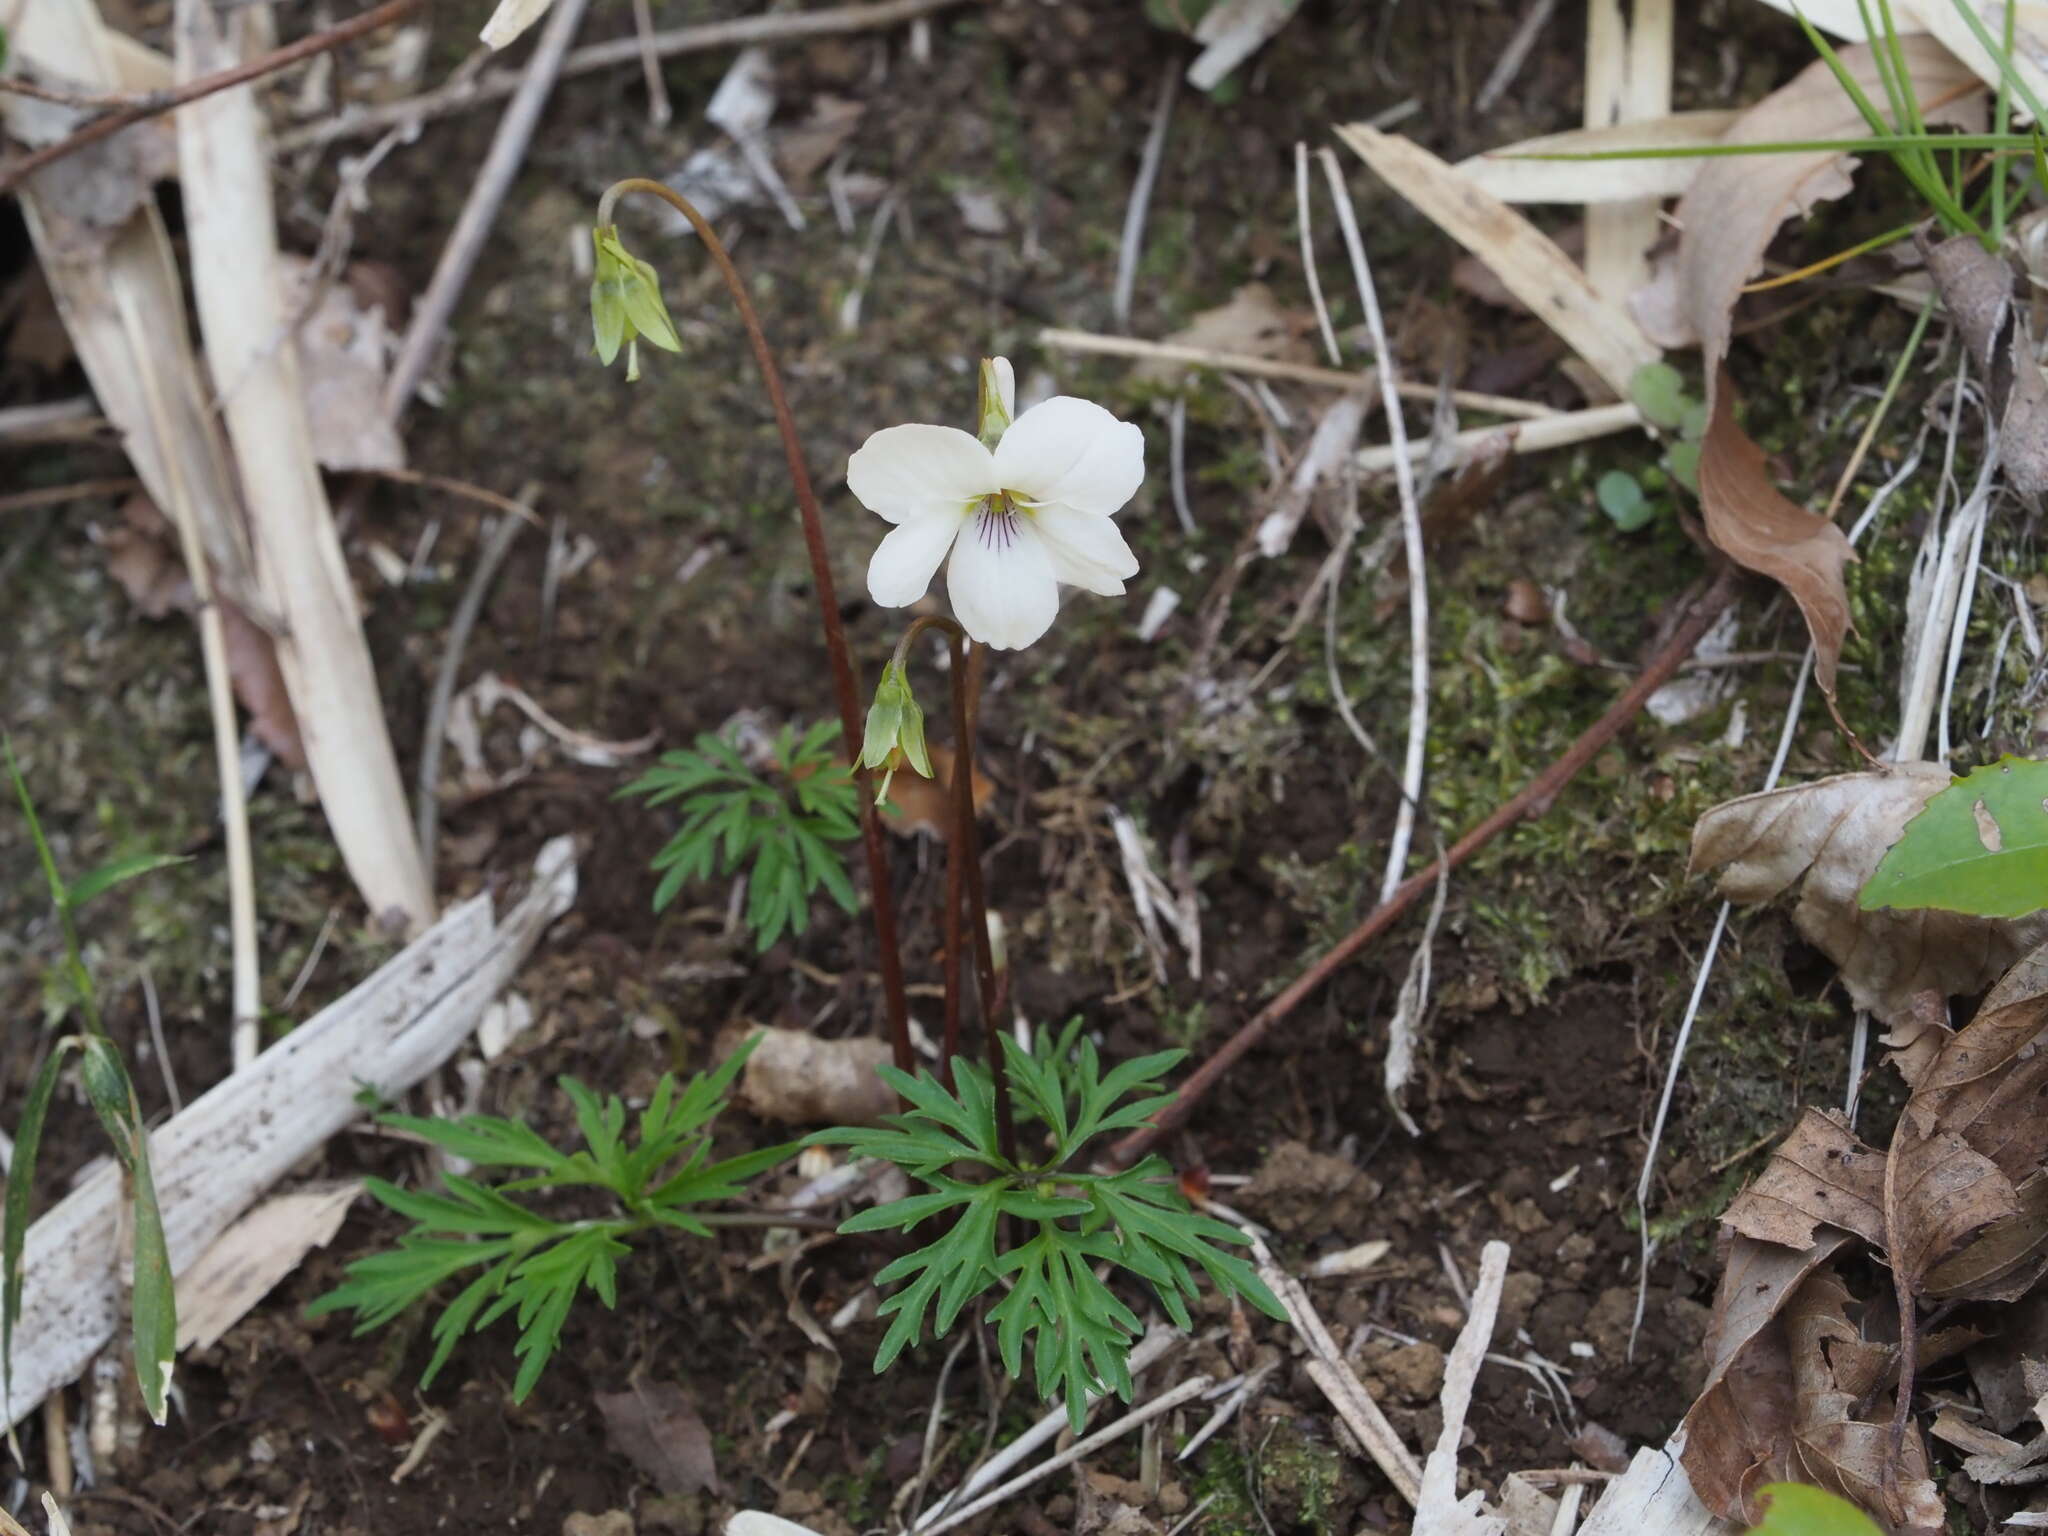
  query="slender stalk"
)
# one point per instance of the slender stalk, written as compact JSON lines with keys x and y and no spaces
{"x":966,"y":853}
{"x":844,"y":684}
{"x":964,"y":890}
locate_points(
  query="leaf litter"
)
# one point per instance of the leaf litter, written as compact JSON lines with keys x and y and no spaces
{"x":1956,"y":1208}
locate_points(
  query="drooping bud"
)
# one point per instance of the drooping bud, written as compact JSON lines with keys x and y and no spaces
{"x":625,"y":303}
{"x":895,"y":730}
{"x":998,"y":399}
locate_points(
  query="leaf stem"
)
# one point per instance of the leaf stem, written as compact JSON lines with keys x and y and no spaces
{"x":844,"y":684}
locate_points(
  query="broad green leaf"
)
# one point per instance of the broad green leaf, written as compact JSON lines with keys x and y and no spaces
{"x":154,"y":1305}
{"x":1979,"y":847}
{"x":1793,"y":1509}
{"x":97,"y":882}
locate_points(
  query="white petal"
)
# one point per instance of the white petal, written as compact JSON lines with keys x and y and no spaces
{"x":1072,"y":452}
{"x":1002,"y":584}
{"x":1006,"y":385}
{"x":903,"y":563}
{"x":907,"y":472}
{"x":1087,"y":551}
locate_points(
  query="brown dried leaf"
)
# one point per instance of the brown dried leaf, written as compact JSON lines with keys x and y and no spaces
{"x":1737,"y":1435}
{"x":1977,"y":291}
{"x":1914,"y":1041}
{"x":1752,"y":522}
{"x":142,"y":556}
{"x":798,"y":1078}
{"x":2007,"y":1259}
{"x":1252,"y":324}
{"x":658,"y":1429}
{"x":1833,"y":1448}
{"x":1832,"y":833}
{"x":922,"y":807}
{"x":1821,"y":1176}
{"x":1728,"y":218}
{"x":1736,"y":203}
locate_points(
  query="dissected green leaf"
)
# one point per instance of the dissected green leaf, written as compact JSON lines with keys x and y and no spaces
{"x":1979,"y":847}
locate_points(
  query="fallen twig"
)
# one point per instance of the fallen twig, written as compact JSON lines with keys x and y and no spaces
{"x":58,"y":495}
{"x":1533,"y":798}
{"x":1327,"y":1369}
{"x":1274,"y":368}
{"x":480,"y":211}
{"x":1133,"y":242}
{"x":747,"y":31}
{"x":159,"y":102}
{"x":1193,"y":1387}
{"x":427,"y":810}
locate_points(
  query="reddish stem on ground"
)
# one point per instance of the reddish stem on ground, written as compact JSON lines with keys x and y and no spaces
{"x":844,"y":683}
{"x":1534,"y":798}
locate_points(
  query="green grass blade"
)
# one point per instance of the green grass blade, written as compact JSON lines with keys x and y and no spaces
{"x":2003,"y":58}
{"x":154,"y":1306}
{"x":21,"y":1178}
{"x":97,"y":882}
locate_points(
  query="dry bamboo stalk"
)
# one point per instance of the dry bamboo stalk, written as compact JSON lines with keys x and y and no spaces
{"x":1628,"y":79}
{"x":224,"y":164}
{"x":1527,"y":261}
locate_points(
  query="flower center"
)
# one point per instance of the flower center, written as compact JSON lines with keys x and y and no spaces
{"x":995,"y":522}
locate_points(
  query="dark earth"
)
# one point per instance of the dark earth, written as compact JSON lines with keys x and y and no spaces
{"x":1566,"y":949}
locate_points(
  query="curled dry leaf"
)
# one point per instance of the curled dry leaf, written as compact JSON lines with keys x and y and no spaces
{"x":1727,"y":219}
{"x":1736,"y":1434}
{"x":1756,"y":525}
{"x":1832,"y":833}
{"x":921,"y":807}
{"x":1977,"y":291}
{"x":798,"y":1078}
{"x":1776,"y":1407}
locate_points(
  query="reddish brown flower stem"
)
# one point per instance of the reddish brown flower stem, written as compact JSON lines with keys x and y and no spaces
{"x":1533,"y":799}
{"x":844,"y":683}
{"x":964,"y":889}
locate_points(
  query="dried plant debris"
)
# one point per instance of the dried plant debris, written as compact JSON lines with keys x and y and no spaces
{"x":1728,"y":217}
{"x":1816,"y":1352}
{"x":1831,"y":834}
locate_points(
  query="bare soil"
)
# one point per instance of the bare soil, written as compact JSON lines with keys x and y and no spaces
{"x":1564,"y":955}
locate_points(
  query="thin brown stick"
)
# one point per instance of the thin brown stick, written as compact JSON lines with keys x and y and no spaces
{"x":844,"y":684}
{"x":57,"y":495}
{"x":770,"y":30}
{"x":1534,"y":798}
{"x":159,"y":102}
{"x":483,"y":496}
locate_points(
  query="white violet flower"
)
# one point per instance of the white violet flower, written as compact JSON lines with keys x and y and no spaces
{"x":1023,"y":508}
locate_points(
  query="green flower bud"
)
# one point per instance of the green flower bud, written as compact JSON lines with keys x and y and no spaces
{"x":895,"y":731}
{"x":625,"y":303}
{"x":998,"y":405}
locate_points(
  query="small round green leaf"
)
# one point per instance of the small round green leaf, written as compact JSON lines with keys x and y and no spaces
{"x":1622,"y":499}
{"x":1659,"y":393}
{"x":1979,"y":847}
